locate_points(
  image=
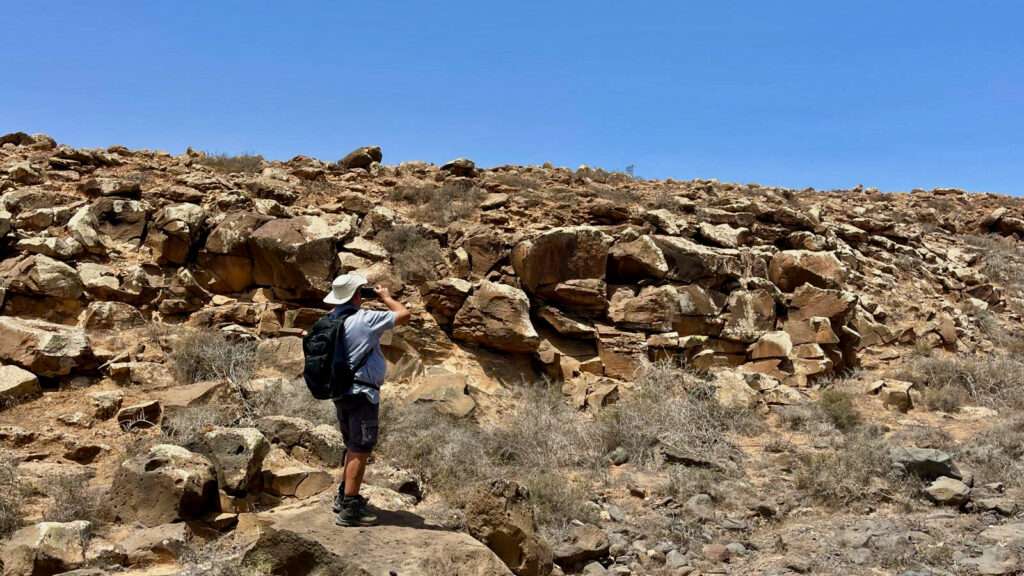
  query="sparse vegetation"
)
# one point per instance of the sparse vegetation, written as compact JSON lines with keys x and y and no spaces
{"x":995,"y":381}
{"x":542,"y":446}
{"x":416,"y":257}
{"x":854,"y":471}
{"x":186,"y":426}
{"x":997,"y":454}
{"x":233,"y":163}
{"x":944,"y":398}
{"x":676,"y":410}
{"x":10,"y":498}
{"x":442,"y":205}
{"x":199,"y":355}
{"x":837,"y":405}
{"x":71,"y":500}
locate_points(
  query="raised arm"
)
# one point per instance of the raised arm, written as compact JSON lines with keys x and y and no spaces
{"x":401,"y":312}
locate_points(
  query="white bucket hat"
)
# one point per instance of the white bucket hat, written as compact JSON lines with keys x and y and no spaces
{"x":344,"y":288}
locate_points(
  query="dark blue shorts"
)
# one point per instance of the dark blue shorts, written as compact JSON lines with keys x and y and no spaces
{"x":359,"y":420}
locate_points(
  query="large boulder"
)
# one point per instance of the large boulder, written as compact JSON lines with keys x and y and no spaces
{"x":46,"y":548}
{"x":653,"y":309}
{"x":496,"y":316}
{"x":297,"y":255}
{"x":110,"y":224}
{"x":280,"y":357}
{"x":446,"y":391}
{"x":791,"y":269}
{"x":176,"y":232}
{"x":45,"y":349}
{"x":111,"y":316}
{"x":226,"y":257}
{"x":361,"y":157}
{"x":561,"y":254}
{"x":302,"y":538}
{"x":749,"y":314}
{"x":38,"y":275}
{"x":622,"y":353}
{"x":165,"y":484}
{"x":17,"y":385}
{"x":500,"y":516}
{"x":444,"y":298}
{"x":636,"y":260}
{"x":321,"y":441}
{"x":585,"y":543}
{"x":692,"y":262}
{"x":926,"y":463}
{"x":237,"y":454}
{"x":809,"y":301}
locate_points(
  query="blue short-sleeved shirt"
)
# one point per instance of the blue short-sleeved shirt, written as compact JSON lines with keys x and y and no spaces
{"x":363,"y":330}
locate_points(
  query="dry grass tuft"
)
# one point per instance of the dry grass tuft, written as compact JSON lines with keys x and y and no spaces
{"x":838,"y":408}
{"x":415,"y":257}
{"x":72,"y":500}
{"x":996,"y":381}
{"x":545,"y":446}
{"x":451,"y":202}
{"x":232,"y":164}
{"x":199,"y":355}
{"x":997,"y":454}
{"x":673,"y":409}
{"x":186,"y":426}
{"x":855,"y":471}
{"x":11,"y":515}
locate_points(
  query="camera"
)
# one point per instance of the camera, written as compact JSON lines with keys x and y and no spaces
{"x":367,"y":292}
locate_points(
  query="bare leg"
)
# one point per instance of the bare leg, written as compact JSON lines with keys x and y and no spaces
{"x":355,"y":467}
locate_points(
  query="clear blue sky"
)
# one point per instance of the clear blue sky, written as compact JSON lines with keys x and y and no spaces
{"x":894,"y":94}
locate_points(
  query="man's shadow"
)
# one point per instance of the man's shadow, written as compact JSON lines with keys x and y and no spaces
{"x":405,"y":519}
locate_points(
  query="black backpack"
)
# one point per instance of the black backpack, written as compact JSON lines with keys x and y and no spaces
{"x":318,"y":347}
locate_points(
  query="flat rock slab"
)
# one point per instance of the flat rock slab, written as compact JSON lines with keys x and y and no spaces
{"x":301,"y":538}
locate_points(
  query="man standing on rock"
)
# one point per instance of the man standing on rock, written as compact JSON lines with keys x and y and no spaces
{"x":358,"y":407}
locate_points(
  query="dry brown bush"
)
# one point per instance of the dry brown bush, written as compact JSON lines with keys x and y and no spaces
{"x":850,"y":472}
{"x":231,"y":164}
{"x":293,"y":401}
{"x":675,"y":409}
{"x":520,"y":181}
{"x":544,"y":446}
{"x":838,"y":408}
{"x":997,"y":454}
{"x":71,"y":500}
{"x":995,"y":381}
{"x":415,"y":257}
{"x":199,"y":355}
{"x":944,"y":398}
{"x":11,"y":514}
{"x":186,"y":426}
{"x":440,"y":205}
{"x":1001,"y":259}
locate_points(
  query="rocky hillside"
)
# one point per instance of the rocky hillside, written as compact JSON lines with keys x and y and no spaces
{"x":602,"y":375}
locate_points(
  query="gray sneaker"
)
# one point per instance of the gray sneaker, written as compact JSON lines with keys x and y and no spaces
{"x":354,"y":512}
{"x":340,"y":495}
